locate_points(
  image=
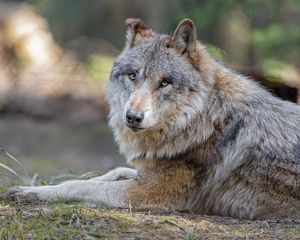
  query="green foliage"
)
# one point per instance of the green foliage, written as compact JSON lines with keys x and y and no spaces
{"x":278,"y":41}
{"x":206,"y":14}
{"x":2,"y":105}
{"x":99,"y":67}
{"x":217,"y":53}
{"x":274,"y":25}
{"x":273,"y":67}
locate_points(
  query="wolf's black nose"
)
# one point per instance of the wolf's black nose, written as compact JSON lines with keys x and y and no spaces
{"x":134,"y":118}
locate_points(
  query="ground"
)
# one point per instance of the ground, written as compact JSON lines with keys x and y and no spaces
{"x":74,"y":221}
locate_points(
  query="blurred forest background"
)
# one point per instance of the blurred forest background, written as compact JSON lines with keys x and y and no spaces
{"x":56,"y":55}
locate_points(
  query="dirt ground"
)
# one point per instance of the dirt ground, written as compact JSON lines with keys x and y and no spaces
{"x":73,"y":221}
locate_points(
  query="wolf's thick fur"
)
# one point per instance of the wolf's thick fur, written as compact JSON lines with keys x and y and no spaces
{"x":202,"y":137}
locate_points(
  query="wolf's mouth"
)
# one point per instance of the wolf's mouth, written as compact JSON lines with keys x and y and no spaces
{"x":135,"y":129}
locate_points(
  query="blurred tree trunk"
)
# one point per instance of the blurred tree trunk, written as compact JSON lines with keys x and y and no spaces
{"x":234,"y":38}
{"x":28,"y":52}
{"x":27,"y":35}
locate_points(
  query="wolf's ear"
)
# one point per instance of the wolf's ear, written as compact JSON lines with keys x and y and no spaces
{"x":136,"y":31}
{"x":184,"y":37}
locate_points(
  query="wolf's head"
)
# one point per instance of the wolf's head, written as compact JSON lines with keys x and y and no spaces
{"x":158,"y":84}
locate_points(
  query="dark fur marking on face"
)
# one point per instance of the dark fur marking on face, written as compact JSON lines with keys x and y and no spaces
{"x":192,"y":89}
{"x":123,"y":69}
{"x":179,"y":88}
{"x":167,"y":97}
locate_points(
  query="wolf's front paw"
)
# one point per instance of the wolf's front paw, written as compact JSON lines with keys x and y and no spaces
{"x":31,"y":194}
{"x":21,"y":194}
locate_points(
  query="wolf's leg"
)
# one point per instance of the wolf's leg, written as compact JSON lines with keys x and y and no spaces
{"x":162,"y":193}
{"x":104,"y":193}
{"x":165,"y":188}
{"x":119,"y":173}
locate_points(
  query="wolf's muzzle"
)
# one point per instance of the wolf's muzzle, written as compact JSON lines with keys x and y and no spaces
{"x":134,"y":119}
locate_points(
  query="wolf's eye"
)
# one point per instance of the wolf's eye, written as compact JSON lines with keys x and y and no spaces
{"x":132,"y":76}
{"x":164,"y":82}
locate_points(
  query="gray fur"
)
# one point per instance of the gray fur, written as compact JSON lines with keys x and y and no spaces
{"x":253,"y":164}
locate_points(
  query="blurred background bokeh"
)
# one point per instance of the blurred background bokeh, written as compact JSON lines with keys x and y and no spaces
{"x":56,"y":55}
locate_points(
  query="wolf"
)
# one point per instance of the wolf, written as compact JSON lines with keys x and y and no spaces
{"x":201,"y":137}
